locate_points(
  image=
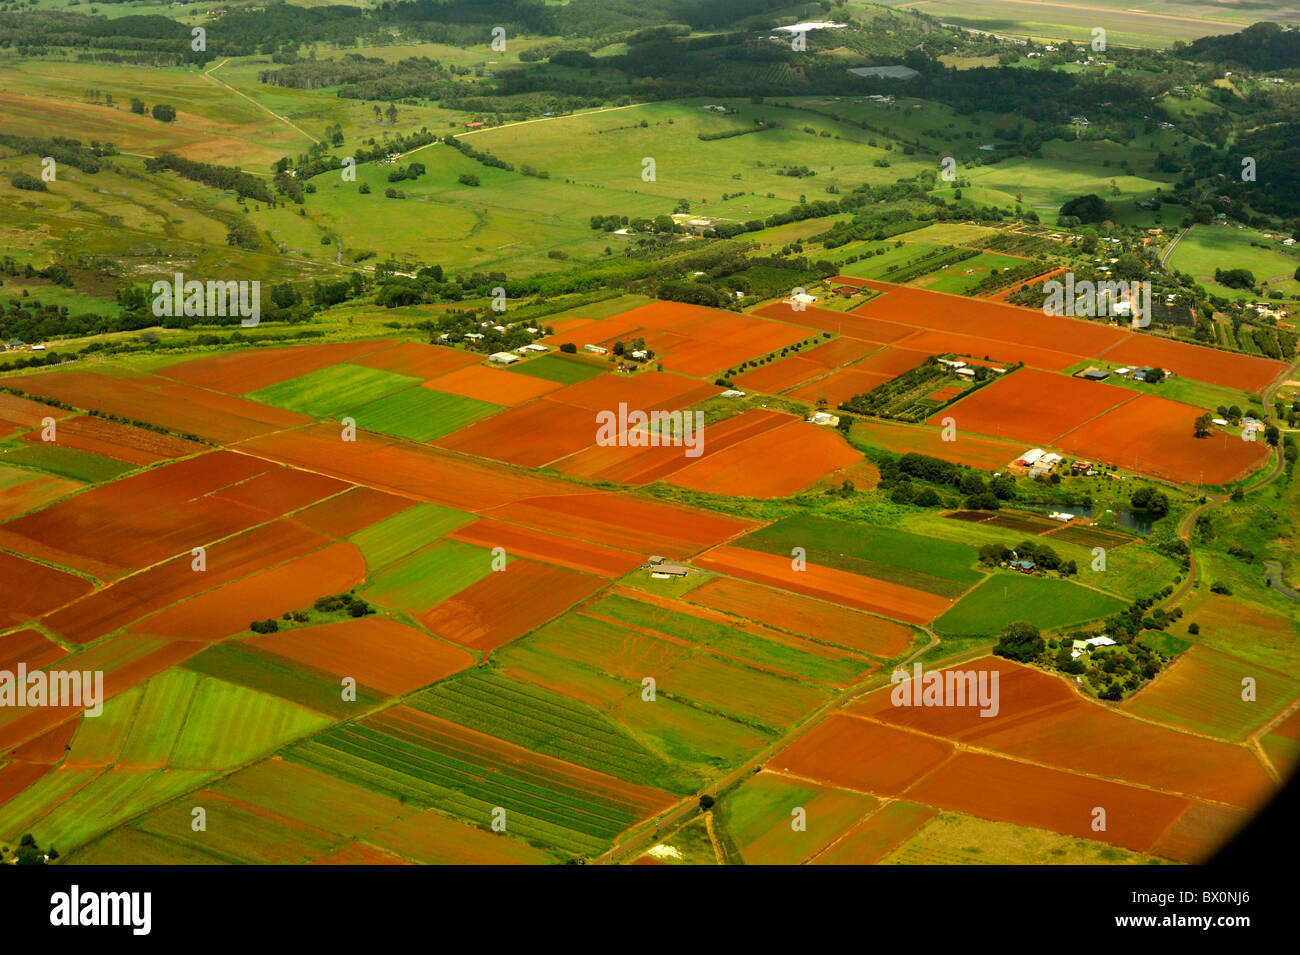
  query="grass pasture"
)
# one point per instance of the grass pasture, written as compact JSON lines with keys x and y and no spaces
{"x":334,"y":390}
{"x":1049,"y":604}
{"x":420,"y":414}
{"x":898,"y":556}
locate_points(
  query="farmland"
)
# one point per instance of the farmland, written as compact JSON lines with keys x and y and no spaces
{"x":586,"y":481}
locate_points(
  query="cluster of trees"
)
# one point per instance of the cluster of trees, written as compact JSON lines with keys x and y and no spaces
{"x":904,"y":470}
{"x":1152,"y":501}
{"x":64,"y":151}
{"x":1041,"y":555}
{"x":243,"y":183}
{"x":478,"y":155}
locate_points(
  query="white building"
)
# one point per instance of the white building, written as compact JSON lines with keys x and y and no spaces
{"x":503,"y":357}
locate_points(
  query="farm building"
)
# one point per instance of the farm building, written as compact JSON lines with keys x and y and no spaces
{"x":1094,"y":374}
{"x":596,"y":349}
{"x":732,"y":393}
{"x":665,"y":571}
{"x":503,"y":358}
{"x":824,"y":418}
{"x":965,"y":372}
{"x":532,"y":347}
{"x":1030,"y":457}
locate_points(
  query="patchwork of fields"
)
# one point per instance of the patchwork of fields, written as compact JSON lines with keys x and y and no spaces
{"x":504,"y":680}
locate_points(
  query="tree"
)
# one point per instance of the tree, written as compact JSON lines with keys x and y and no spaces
{"x":391,"y":113}
{"x":1203,"y":425}
{"x":164,"y":113}
{"x":1021,"y":642}
{"x":1089,"y":208}
{"x":467,"y":179}
{"x":137,"y":105}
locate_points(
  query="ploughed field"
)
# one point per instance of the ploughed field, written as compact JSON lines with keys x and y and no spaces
{"x":522,"y":690}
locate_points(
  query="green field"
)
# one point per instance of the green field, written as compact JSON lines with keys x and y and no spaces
{"x":802,"y":661}
{"x":394,"y":537}
{"x":886,"y":553}
{"x":228,"y":725}
{"x":759,"y":817}
{"x":547,"y":722}
{"x":420,"y":414}
{"x":242,"y":665}
{"x":1207,"y":248}
{"x":1048,"y":604}
{"x":332,"y":391}
{"x":420,"y":581}
{"x":63,"y":462}
{"x":568,"y":371}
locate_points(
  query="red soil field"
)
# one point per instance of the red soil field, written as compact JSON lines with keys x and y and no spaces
{"x":178,"y":407}
{"x":228,"y":609}
{"x":827,"y":583}
{"x":344,"y":515}
{"x":788,"y":372}
{"x":126,"y":661}
{"x":413,"y":726}
{"x":1043,"y":720}
{"x":29,"y":589}
{"x":30,"y":647}
{"x":1000,"y":353}
{"x":281,"y":490}
{"x":940,"y":311}
{"x":839,"y":386}
{"x":164,"y":584}
{"x":1231,"y":370}
{"x":996,"y":788}
{"x":780,"y":375}
{"x":33,"y":492}
{"x":774,"y":463}
{"x":690,"y":339}
{"x":639,"y":466}
{"x":251,"y":369}
{"x":19,"y":414}
{"x":1199,"y":832}
{"x":877,"y":836}
{"x":1154,"y":436}
{"x":647,"y":391}
{"x":379,"y":653}
{"x":861,"y":755}
{"x":1034,"y":406}
{"x":617,"y":520}
{"x":50,"y":746}
{"x":419,"y":361}
{"x":892,"y":361}
{"x":500,"y":607}
{"x":530,"y":435}
{"x":120,"y":441}
{"x":848,"y":324}
{"x":437,"y":840}
{"x":990,"y":454}
{"x":17,"y":777}
{"x":388,"y":464}
{"x":494,"y":385}
{"x":810,"y":618}
{"x":140,"y":519}
{"x":548,"y":548}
